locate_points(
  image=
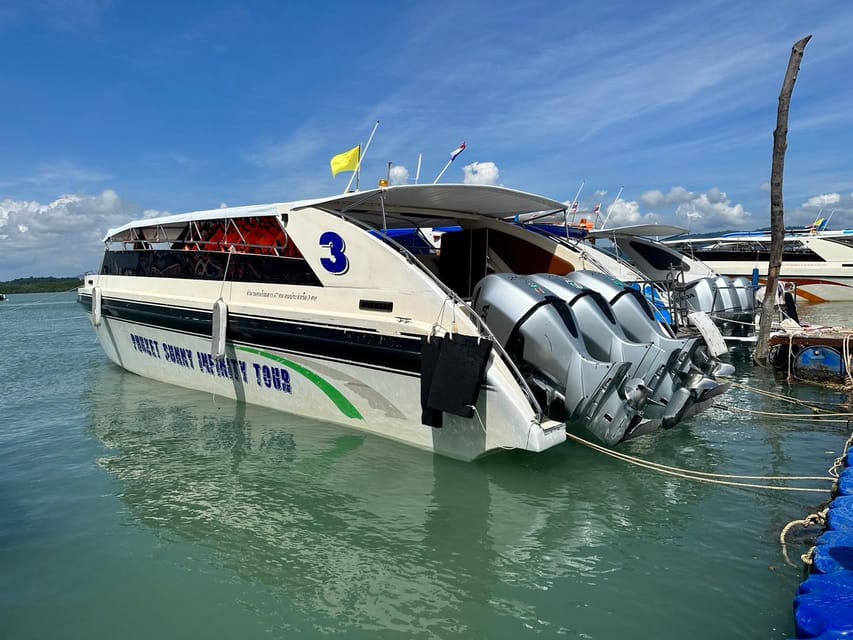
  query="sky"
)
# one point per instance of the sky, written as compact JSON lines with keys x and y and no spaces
{"x":661,"y":111}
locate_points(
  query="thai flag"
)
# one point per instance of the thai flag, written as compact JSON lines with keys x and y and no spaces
{"x":597,"y":209}
{"x":574,"y":208}
{"x":457,"y":151}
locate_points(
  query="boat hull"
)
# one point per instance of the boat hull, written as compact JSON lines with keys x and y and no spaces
{"x":814,"y":284}
{"x":379,"y":394}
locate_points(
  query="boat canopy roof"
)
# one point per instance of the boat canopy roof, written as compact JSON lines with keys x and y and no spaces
{"x":168,"y":227}
{"x":404,"y":206}
{"x":639,"y":231}
{"x":432,"y":205}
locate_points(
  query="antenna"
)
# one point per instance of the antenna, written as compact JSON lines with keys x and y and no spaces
{"x":357,"y":173}
{"x":418,"y":172}
{"x":607,"y":217}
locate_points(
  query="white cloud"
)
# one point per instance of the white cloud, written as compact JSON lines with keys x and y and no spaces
{"x":399,"y":174}
{"x":710,"y":210}
{"x":716,"y":211}
{"x":657,"y":198}
{"x":481,"y":173}
{"x":59,"y":238}
{"x":625,"y":212}
{"x":823,"y":200}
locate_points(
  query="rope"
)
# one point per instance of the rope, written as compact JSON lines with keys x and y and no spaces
{"x":841,"y":460}
{"x":699,"y":475}
{"x":724,"y":319}
{"x":483,"y":427}
{"x":812,"y":519}
{"x":225,"y":273}
{"x":848,"y":361}
{"x":813,"y":404}
{"x":819,"y":518}
{"x":17,"y":306}
{"x":823,"y":417}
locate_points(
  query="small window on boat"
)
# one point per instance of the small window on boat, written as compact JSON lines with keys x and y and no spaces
{"x":375,"y":305}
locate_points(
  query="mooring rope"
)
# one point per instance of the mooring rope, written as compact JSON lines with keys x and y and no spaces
{"x":840,"y":418}
{"x":848,"y":362}
{"x":724,"y":319}
{"x":812,"y":404}
{"x":702,"y":476}
{"x":818,"y":518}
{"x":17,"y":306}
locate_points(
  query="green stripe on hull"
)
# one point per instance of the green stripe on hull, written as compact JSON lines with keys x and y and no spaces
{"x":345,"y":406}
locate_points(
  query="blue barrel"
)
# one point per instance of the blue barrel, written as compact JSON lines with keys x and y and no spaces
{"x":818,"y":363}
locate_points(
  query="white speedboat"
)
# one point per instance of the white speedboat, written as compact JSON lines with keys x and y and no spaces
{"x":313,"y":308}
{"x":691,"y":284}
{"x":819,"y":263}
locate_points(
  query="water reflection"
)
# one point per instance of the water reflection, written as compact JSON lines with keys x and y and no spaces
{"x":356,"y":532}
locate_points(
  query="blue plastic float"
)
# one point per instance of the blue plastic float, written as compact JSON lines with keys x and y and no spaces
{"x":823,"y":608}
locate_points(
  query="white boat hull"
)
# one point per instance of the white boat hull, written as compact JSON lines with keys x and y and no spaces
{"x":371,"y":398}
{"x":815,"y":282}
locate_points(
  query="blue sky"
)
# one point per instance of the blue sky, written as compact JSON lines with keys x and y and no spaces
{"x":112,"y":110}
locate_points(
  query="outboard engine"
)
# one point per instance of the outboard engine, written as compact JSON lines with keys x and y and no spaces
{"x":539,"y":331}
{"x":697,"y":370}
{"x":728,"y":294}
{"x":746,"y":294}
{"x":656,"y":366}
{"x":719,"y":298}
{"x":636,"y":315}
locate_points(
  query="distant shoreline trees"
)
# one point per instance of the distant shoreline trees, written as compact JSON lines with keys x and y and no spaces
{"x":39,"y":285}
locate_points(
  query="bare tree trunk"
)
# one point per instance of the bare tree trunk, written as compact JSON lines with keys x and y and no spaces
{"x":777,"y":222}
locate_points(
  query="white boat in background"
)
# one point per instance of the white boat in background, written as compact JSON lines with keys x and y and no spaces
{"x":675,"y":284}
{"x":499,"y":340}
{"x":691,"y":284}
{"x":818,"y":262}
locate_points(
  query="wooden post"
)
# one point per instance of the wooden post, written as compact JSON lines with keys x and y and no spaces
{"x":777,"y":222}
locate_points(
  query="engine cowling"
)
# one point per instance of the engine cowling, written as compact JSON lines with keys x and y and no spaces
{"x":540,"y":332}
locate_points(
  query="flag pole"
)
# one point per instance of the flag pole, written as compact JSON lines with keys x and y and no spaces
{"x":607,"y":217}
{"x":361,"y":155}
{"x":418,"y":173}
{"x":453,"y":157}
{"x":438,"y":177}
{"x":573,"y":207}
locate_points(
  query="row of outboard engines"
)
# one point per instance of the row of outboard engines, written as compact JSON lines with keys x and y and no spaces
{"x":729,"y":301}
{"x":593,"y":354}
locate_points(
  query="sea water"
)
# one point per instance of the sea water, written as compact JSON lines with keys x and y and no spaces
{"x":133,"y":509}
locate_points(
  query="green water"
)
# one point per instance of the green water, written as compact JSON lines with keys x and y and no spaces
{"x":131,"y":509}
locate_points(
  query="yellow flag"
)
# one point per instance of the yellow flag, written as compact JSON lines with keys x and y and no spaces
{"x":346,"y":161}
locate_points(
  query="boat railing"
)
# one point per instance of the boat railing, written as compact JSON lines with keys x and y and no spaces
{"x":459,"y":303}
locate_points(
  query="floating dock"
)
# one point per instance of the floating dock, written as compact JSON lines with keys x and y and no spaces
{"x":816,"y":354}
{"x":823,"y":607}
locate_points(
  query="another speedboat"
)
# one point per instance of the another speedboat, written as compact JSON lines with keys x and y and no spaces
{"x":324,"y":308}
{"x":817,"y":261}
{"x":691,"y":284}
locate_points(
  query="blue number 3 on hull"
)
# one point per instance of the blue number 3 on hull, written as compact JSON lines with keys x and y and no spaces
{"x":338,"y":264}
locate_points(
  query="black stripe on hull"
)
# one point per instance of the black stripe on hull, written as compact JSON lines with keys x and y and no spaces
{"x":360,"y":346}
